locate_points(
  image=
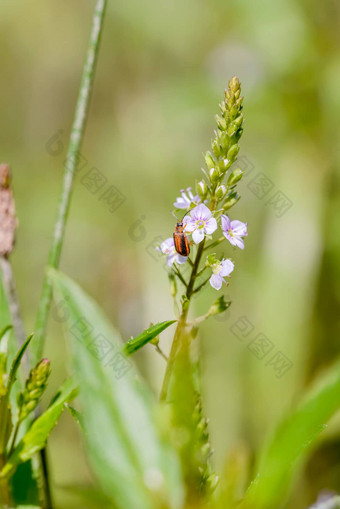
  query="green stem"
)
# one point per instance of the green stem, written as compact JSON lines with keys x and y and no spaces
{"x":5,"y":497}
{"x":181,"y":325}
{"x":179,"y":275}
{"x":76,"y":138}
{"x":215,"y":243}
{"x":15,"y":434}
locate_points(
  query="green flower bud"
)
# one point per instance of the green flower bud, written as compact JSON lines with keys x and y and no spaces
{"x":234,"y":85}
{"x":211,"y":259}
{"x":221,"y":191}
{"x":214,"y":175}
{"x":232,"y":152}
{"x":219,"y":306}
{"x":34,"y":388}
{"x":202,"y":189}
{"x":221,"y":123}
{"x":234,"y":177}
{"x":230,"y":201}
{"x":210,"y":162}
{"x":212,"y":481}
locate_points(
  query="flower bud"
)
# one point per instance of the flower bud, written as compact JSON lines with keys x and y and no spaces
{"x":8,"y":220}
{"x":219,"y":306}
{"x":221,"y":123}
{"x":34,"y":388}
{"x":214,"y":175}
{"x":234,"y":177}
{"x":202,"y":189}
{"x":5,"y":176}
{"x":230,"y":201}
{"x":221,"y":191}
{"x":211,"y":259}
{"x":232,"y":152}
{"x":210,"y":162}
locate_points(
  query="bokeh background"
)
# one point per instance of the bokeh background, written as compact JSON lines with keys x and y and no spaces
{"x":162,"y":70}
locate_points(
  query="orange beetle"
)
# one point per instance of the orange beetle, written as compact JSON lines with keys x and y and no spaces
{"x":181,"y":240}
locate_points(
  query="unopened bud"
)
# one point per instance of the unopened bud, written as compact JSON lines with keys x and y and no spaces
{"x":214,"y":175}
{"x":8,"y":221}
{"x":234,"y":177}
{"x":210,"y":162}
{"x":221,"y":123}
{"x":232,"y":152}
{"x":5,"y":176}
{"x":230,"y":201}
{"x":34,"y":388}
{"x":221,"y":191}
{"x":219,"y":306}
{"x":202,"y":189}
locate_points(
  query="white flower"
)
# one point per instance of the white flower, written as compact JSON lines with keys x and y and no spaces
{"x":234,"y":231}
{"x":220,"y":271}
{"x":187,"y":198}
{"x":168,"y":248}
{"x":200,"y":222}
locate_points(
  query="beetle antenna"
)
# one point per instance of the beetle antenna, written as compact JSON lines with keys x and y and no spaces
{"x":173,"y":213}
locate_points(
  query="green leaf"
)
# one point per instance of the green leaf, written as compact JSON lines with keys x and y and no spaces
{"x":5,"y":317}
{"x":147,"y":335}
{"x":16,"y":363}
{"x":4,"y":330}
{"x":131,"y":458}
{"x":293,"y":437}
{"x":36,"y":437}
{"x":76,"y":416}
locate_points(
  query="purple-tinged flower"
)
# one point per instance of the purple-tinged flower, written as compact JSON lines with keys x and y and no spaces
{"x":234,"y":231}
{"x":187,"y":198}
{"x":219,"y":272}
{"x":168,"y":248}
{"x":199,"y":222}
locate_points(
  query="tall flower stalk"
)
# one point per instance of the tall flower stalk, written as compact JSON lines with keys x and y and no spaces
{"x":206,"y":213}
{"x":75,"y":143}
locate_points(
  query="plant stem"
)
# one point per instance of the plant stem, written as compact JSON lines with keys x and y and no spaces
{"x":75,"y":142}
{"x":14,"y":306}
{"x":181,"y":326}
{"x":5,"y":497}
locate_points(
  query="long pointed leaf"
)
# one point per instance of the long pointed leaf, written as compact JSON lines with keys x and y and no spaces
{"x":145,"y":337}
{"x":291,"y":440}
{"x":132,"y":460}
{"x":16,"y":363}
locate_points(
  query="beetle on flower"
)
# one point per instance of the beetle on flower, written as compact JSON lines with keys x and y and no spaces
{"x":168,"y":247}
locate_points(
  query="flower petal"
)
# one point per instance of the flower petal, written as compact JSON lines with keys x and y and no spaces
{"x":238,"y":242}
{"x":231,"y":239}
{"x":171,"y":258}
{"x":210,"y":226}
{"x":216,"y":281}
{"x":227,"y":267}
{"x":201,"y":213}
{"x":239,"y":228}
{"x":198,"y":236}
{"x":225,"y":221}
{"x":181,"y":204}
{"x":189,"y":224}
{"x":181,"y":259}
{"x":168,"y":246}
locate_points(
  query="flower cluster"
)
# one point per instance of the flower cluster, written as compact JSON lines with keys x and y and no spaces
{"x":206,"y":211}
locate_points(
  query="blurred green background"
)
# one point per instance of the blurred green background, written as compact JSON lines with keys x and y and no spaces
{"x":162,"y":70}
